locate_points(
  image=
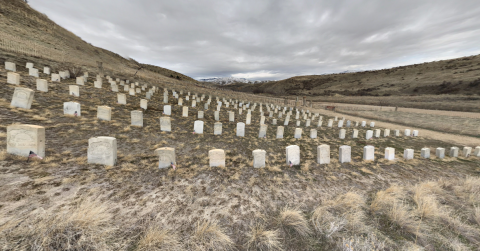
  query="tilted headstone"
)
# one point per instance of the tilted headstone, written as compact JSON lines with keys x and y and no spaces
{"x":104,"y":113}
{"x":74,"y":90}
{"x":42,"y":85}
{"x":13,"y":78}
{"x":165,"y":124}
{"x":70,"y":108}
{"x":166,"y":157}
{"x":345,"y":154}
{"x":408,"y":154}
{"x":167,"y":110}
{"x":293,"y":155}
{"x":342,"y":133}
{"x":323,"y":154}
{"x":198,"y":127}
{"x":138,"y":90}
{"x":137,"y":118}
{"x":216,"y":157}
{"x":240,"y":129}
{"x":33,"y":72}
{"x":263,"y":131}
{"x":298,"y":133}
{"x":102,"y":150}
{"x":22,"y":98}
{"x":80,"y":81}
{"x":440,"y":152}
{"x":185,"y":111}
{"x":425,"y":153}
{"x":22,"y":138}
{"x":390,"y":153}
{"x":258,"y":158}
{"x":368,"y":153}
{"x":217,"y":128}
{"x":9,"y":66}
{"x":144,"y":104}
{"x":313,"y":133}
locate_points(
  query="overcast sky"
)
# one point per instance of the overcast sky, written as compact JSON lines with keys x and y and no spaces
{"x":273,"y":39}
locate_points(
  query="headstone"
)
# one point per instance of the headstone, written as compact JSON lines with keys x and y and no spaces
{"x":114,"y":88}
{"x":22,"y":98}
{"x":97,"y":84}
{"x":217,"y":128}
{"x":165,"y":124}
{"x":293,"y":155}
{"x":33,"y":72}
{"x":9,"y":66}
{"x":185,"y":111}
{"x":298,"y":122}
{"x":355,"y":134}
{"x":259,"y":158}
{"x":313,"y":133}
{"x":342,"y":133}
{"x":42,"y":85}
{"x":368,"y":153}
{"x":397,"y":133}
{"x":425,"y":153}
{"x":330,"y":123}
{"x":46,"y":70}
{"x":138,"y":90}
{"x":377,"y":133}
{"x":364,"y":123}
{"x":121,"y":98}
{"x":323,"y":154}
{"x":166,"y":157}
{"x":74,"y":90}
{"x":13,"y":78}
{"x":372,"y":124}
{"x":249,"y":119}
{"x":217,"y":115}
{"x":104,"y":113}
{"x":340,"y":123}
{"x":231,"y":116}
{"x":240,"y":129}
{"x":167,"y":110}
{"x":349,"y":123}
{"x":390,"y":153}
{"x":320,"y":122}
{"x":198,"y":127}
{"x":280,"y":130}
{"x":369,"y":134}
{"x":274,"y":122}
{"x":298,"y":133}
{"x":454,"y":152}
{"x":408,"y":154}
{"x":137,"y":118}
{"x":56,"y":77}
{"x":467,"y":151}
{"x":22,"y":138}
{"x":131,"y":92}
{"x":263,"y":131}
{"x":262,"y":120}
{"x":144,"y":104}
{"x":345,"y":154}
{"x":70,"y":108}
{"x":80,"y":81}
{"x":415,"y":133}
{"x":217,"y":157}
{"x":477,"y":151}
{"x":386,"y":133}
{"x":200,"y":114}
{"x":287,"y":119}
{"x":407,"y":132}
{"x":102,"y":150}
{"x":440,"y":153}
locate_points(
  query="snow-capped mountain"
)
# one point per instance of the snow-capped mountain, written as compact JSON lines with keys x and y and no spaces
{"x":231,"y":80}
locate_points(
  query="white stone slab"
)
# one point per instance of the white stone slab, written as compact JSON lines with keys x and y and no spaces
{"x":355,"y":134}
{"x":121,"y":98}
{"x":104,"y":113}
{"x":406,"y":132}
{"x":9,"y":66}
{"x":102,"y":150}
{"x":368,"y":153}
{"x":342,"y":133}
{"x":408,"y":154}
{"x":198,"y":127}
{"x":425,"y":153}
{"x":13,"y":78}
{"x":298,"y":133}
{"x":476,"y":153}
{"x":216,"y":157}
{"x":136,"y":118}
{"x":240,"y":129}
{"x":313,"y":133}
{"x":46,"y":70}
{"x":23,"y":138}
{"x":386,"y":133}
{"x":390,"y":153}
{"x":74,"y":90}
{"x":217,"y":128}
{"x":258,"y":158}
{"x":165,"y":124}
{"x":293,"y":155}
{"x":80,"y":81}
{"x":166,"y":157}
{"x":454,"y":152}
{"x":369,"y":134}
{"x":323,"y":154}
{"x":467,"y":151}
{"x":56,"y":77}
{"x":22,"y":98}
{"x":345,"y":154}
{"x":263,"y":131}
{"x":70,"y":108}
{"x":42,"y":85}
{"x":440,"y":153}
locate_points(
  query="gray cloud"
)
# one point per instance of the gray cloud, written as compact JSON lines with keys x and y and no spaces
{"x":272,"y":39}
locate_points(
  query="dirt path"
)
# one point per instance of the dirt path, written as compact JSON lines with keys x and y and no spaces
{"x":455,"y":139}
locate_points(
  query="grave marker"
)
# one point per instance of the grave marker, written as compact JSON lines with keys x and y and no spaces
{"x":166,"y":157}
{"x":293,"y":155}
{"x":408,"y":154}
{"x":440,"y":152}
{"x":216,"y":157}
{"x":22,"y":98}
{"x":137,"y":118}
{"x":323,"y":154}
{"x":102,"y":150}
{"x":9,"y":66}
{"x":121,"y":98}
{"x":104,"y":113}
{"x":425,"y":153}
{"x":390,"y":153}
{"x":42,"y":85}
{"x":345,"y":154}
{"x":23,"y":138}
{"x":165,"y":124}
{"x":198,"y":127}
{"x":70,"y":108}
{"x":259,"y":158}
{"x":263,"y":131}
{"x":298,"y":133}
{"x":217,"y":128}
{"x":13,"y":78}
{"x":240,"y":129}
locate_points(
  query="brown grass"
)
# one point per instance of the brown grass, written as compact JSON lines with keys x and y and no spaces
{"x":263,"y":240}
{"x":156,"y":238}
{"x":209,"y":235}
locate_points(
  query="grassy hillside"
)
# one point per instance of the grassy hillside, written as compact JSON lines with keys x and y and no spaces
{"x":26,"y":32}
{"x":455,"y":76}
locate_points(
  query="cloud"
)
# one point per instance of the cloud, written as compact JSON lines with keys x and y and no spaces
{"x":275,"y":39}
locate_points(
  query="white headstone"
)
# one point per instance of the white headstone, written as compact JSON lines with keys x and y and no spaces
{"x":263,"y":131}
{"x":217,"y":128}
{"x":407,"y":132}
{"x":377,"y":133}
{"x":340,"y":123}
{"x":386,"y":133}
{"x":415,"y":133}
{"x":425,"y":153}
{"x":372,"y":124}
{"x":249,"y":119}
{"x":70,"y":108}
{"x":293,"y":155}
{"x":29,"y":65}
{"x":165,"y":124}
{"x":74,"y":90}
{"x":56,"y":77}
{"x":355,"y":134}
{"x":330,"y":123}
{"x":408,"y":154}
{"x":231,"y":116}
{"x":342,"y":133}
{"x":280,"y":130}
{"x":323,"y":154}
{"x":345,"y":154}
{"x":102,"y":150}
{"x":46,"y":70}
{"x":131,"y":92}
{"x":200,"y":114}
{"x":313,"y":133}
{"x":440,"y":153}
{"x":80,"y":81}
{"x":9,"y":66}
{"x":144,"y":104}
{"x":13,"y":78}
{"x":454,"y":152}
{"x":22,"y":98}
{"x":298,"y":133}
{"x":217,"y":115}
{"x":364,"y":123}
{"x":476,"y":153}
{"x":240,"y":129}
{"x":369,"y":134}
{"x":259,"y":158}
{"x":42,"y":85}
{"x":198,"y":127}
{"x":104,"y":113}
{"x":137,"y":118}
{"x":22,"y":138}
{"x":216,"y":157}
{"x":166,"y":157}
{"x":390,"y":153}
{"x":368,"y":153}
{"x":121,"y":98}
{"x":33,"y":72}
{"x":397,"y":133}
{"x":185,"y":111}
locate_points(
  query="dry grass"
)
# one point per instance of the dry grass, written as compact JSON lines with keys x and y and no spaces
{"x":292,"y":221}
{"x":156,"y":238}
{"x":208,"y":235}
{"x":263,"y":240}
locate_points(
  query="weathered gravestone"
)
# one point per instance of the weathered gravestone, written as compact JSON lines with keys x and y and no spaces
{"x":33,"y":72}
{"x":200,"y":114}
{"x":13,"y":78}
{"x":166,"y":157}
{"x":293,"y":155}
{"x":390,"y":153}
{"x":425,"y":153}
{"x":144,"y":104}
{"x":137,"y":118}
{"x":22,"y":138}
{"x":42,"y":85}
{"x":72,"y":108}
{"x":185,"y":111}
{"x":263,"y":131}
{"x":9,"y":66}
{"x":217,"y":128}
{"x":74,"y":90}
{"x":104,"y":113}
{"x":121,"y":98}
{"x":323,"y":154}
{"x":22,"y":98}
{"x":102,"y":150}
{"x":440,"y":152}
{"x":368,"y":153}
{"x":259,"y":158}
{"x":165,"y":124}
{"x":345,"y":154}
{"x":240,"y":129}
{"x":56,"y":77}
{"x":80,"y":81}
{"x":216,"y":157}
{"x":408,"y":154}
{"x":198,"y":127}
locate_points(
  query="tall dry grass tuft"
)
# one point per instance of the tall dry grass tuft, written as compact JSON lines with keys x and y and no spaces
{"x":263,"y":240}
{"x":293,"y":220}
{"x":426,"y":200}
{"x":84,"y":227}
{"x":361,"y":243}
{"x":208,"y":235}
{"x":476,"y":215}
{"x":156,"y":238}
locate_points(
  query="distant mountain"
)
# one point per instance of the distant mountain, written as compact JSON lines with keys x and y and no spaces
{"x":231,"y":80}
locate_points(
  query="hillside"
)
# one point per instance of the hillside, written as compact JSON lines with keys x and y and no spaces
{"x":24,"y":32}
{"x":455,"y":76}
